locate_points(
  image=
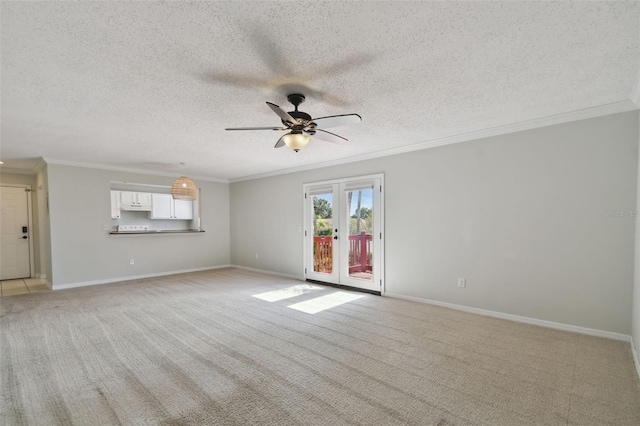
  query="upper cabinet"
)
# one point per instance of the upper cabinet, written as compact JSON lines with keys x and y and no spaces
{"x":115,"y":204}
{"x":130,"y":200}
{"x":163,"y":206}
{"x":183,"y":209}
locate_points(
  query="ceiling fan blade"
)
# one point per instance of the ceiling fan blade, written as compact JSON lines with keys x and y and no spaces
{"x":329,"y":137}
{"x":256,"y":128}
{"x":337,"y":120}
{"x":280,"y":143}
{"x":282,"y":113}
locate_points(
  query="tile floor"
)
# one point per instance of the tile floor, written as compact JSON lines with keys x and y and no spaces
{"x":22,"y":286}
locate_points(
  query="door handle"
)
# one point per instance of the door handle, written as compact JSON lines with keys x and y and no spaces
{"x":23,"y":238}
{"x":335,"y":238}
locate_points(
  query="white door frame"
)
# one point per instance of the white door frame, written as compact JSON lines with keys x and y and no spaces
{"x":28,"y":190}
{"x":380,"y":237}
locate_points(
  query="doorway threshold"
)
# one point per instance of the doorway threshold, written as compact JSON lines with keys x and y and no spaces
{"x":345,"y":287}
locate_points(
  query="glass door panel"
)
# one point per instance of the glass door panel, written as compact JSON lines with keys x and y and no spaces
{"x":322,"y":233}
{"x":360,"y":253}
{"x":322,"y":238}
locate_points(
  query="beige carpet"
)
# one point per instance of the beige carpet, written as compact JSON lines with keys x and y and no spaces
{"x":199,"y":349}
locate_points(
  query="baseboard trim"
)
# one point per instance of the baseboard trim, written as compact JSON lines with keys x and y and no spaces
{"x":265,"y":271}
{"x":517,"y":318}
{"x":135,"y":277}
{"x":636,"y":361}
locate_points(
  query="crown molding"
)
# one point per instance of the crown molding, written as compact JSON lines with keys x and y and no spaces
{"x":126,"y":170}
{"x":32,"y":171}
{"x":582,"y":114}
{"x":41,"y":164}
{"x":16,"y":171}
{"x":631,"y":104}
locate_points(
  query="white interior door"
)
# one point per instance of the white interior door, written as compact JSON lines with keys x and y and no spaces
{"x":343,"y":232}
{"x":14,"y":233}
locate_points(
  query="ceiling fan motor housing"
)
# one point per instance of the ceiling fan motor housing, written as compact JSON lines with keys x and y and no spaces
{"x":301,"y":117}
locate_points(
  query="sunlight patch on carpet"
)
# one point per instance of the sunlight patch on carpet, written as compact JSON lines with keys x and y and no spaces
{"x":325,"y":302}
{"x":287,"y":293}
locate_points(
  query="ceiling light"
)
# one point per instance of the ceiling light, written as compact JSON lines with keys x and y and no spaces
{"x":184,"y":189}
{"x":296,"y":140}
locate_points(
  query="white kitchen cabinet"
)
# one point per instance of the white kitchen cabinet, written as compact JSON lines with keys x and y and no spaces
{"x":163,"y":206}
{"x":115,"y":204}
{"x":183,"y":209}
{"x":130,"y":200}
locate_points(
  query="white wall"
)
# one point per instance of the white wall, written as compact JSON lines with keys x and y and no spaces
{"x":82,"y":252}
{"x":635,"y":333}
{"x":521,"y":216}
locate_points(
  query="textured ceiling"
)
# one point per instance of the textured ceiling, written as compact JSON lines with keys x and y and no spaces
{"x":147,"y":85}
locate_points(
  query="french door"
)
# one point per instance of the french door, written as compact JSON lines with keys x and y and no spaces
{"x":343,"y":232}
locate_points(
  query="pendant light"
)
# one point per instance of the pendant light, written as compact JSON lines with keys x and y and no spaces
{"x":184,"y":189}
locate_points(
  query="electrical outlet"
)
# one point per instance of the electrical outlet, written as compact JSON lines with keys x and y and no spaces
{"x":462,"y":282}
{"x":132,"y":261}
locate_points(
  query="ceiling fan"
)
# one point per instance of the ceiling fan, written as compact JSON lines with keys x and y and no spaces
{"x":302,"y":126}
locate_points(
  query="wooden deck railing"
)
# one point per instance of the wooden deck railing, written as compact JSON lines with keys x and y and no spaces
{"x":323,"y":254}
{"x":359,"y":253}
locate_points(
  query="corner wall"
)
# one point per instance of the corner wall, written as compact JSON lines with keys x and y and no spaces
{"x":530,"y":219}
{"x":635,"y":334}
{"x":83,"y":253}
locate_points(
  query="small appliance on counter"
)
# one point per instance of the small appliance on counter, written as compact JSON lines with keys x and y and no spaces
{"x":133,"y":228}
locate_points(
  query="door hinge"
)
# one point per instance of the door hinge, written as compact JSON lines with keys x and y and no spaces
{"x":305,"y":233}
{"x":305,"y":271}
{"x":381,"y":235}
{"x":380,"y":188}
{"x":380,"y":283}
{"x":305,"y":196}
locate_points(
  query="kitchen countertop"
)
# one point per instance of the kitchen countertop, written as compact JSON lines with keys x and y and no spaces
{"x":158,"y":231}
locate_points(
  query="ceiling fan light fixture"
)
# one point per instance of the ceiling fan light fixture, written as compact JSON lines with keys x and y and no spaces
{"x":296,"y":140}
{"x":184,"y":189}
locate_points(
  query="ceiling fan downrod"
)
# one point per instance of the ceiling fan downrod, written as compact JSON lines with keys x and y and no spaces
{"x":296,"y":99}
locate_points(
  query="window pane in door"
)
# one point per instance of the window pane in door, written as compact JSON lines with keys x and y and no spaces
{"x":360,"y":213}
{"x":323,"y":233}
